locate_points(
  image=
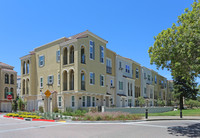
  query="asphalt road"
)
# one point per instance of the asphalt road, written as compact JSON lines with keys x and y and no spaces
{"x":13,"y":128}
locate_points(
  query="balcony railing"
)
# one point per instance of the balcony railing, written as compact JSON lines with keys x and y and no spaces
{"x":109,"y":69}
{"x":82,"y":85}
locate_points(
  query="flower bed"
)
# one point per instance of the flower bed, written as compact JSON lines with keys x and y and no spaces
{"x":23,"y":115}
{"x":107,"y":116}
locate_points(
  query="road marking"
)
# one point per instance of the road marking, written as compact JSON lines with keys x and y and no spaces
{"x":18,"y":129}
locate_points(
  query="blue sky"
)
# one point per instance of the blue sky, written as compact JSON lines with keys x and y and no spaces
{"x":129,"y":26}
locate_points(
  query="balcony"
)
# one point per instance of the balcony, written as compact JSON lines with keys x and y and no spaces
{"x":109,"y":69}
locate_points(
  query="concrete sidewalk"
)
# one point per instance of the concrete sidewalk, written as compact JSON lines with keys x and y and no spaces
{"x":154,"y":118}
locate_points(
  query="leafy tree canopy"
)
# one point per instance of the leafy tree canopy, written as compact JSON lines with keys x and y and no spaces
{"x":178,"y":47}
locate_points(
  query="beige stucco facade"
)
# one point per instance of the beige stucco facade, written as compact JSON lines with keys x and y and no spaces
{"x":8,"y":85}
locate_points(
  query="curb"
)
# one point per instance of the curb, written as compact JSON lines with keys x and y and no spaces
{"x":29,"y":119}
{"x":172,"y":119}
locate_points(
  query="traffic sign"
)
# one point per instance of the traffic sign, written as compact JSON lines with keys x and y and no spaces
{"x":9,"y":97}
{"x":47,"y":93}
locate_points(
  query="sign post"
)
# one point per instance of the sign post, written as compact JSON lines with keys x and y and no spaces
{"x":47,"y":93}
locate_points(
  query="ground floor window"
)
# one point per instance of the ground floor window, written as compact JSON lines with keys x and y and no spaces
{"x":83,"y":101}
{"x":59,"y":101}
{"x":129,"y":102}
{"x":88,"y":101}
{"x":73,"y":101}
{"x":93,"y":101}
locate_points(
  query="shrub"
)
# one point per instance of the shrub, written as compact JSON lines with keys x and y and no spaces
{"x":55,"y":110}
{"x":41,"y":110}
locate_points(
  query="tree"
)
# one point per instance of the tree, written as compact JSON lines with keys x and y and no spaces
{"x":178,"y":49}
{"x":141,"y":101}
{"x":160,"y":102}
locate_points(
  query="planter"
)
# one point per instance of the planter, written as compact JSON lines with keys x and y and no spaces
{"x":43,"y":120}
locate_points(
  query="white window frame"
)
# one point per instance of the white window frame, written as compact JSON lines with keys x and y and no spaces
{"x":58,"y":79}
{"x":72,"y":101}
{"x":41,"y":86}
{"x":48,"y":79}
{"x":60,"y":101}
{"x":121,"y":84}
{"x":102,"y":76}
{"x":93,"y":78}
{"x":108,"y":62}
{"x":91,"y":46}
{"x":102,"y":52}
{"x":41,"y":65}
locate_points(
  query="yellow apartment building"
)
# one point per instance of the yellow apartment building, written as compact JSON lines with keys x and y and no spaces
{"x":8,"y":86}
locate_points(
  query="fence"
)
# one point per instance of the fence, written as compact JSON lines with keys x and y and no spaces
{"x":138,"y":110}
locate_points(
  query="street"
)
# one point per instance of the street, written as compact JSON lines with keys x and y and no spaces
{"x":169,"y":128}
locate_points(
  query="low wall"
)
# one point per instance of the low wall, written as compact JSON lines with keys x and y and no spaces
{"x":138,"y":110}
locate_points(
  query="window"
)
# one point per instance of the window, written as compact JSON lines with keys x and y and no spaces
{"x":151,"y":93}
{"x":149,"y":77}
{"x":101,"y":54}
{"x":27,"y":67}
{"x":59,"y":101}
{"x":82,"y":55}
{"x":120,"y":64}
{"x":82,"y":81}
{"x":120,"y":85}
{"x":108,"y":66}
{"x":111,"y":82}
{"x":83,"y":101}
{"x":41,"y":82}
{"x":93,"y":101}
{"x":6,"y":78}
{"x":145,"y":76}
{"x":24,"y":67}
{"x":88,"y":101}
{"x":58,"y":56}
{"x":73,"y":101}
{"x":92,"y":56}
{"x":50,"y":79}
{"x":71,"y":54}
{"x":92,"y":78}
{"x":101,"y":80}
{"x":127,"y":69}
{"x":129,"y":102}
{"x":137,"y":73}
{"x":41,"y":61}
{"x":58,"y":79}
{"x":145,"y":91}
{"x":155,"y":79}
{"x":5,"y":92}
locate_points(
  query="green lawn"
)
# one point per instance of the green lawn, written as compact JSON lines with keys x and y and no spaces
{"x":188,"y":112}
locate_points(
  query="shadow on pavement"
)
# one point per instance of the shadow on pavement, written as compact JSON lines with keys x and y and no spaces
{"x":189,"y":131}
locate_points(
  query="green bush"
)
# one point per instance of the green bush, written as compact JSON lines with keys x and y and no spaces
{"x":55,"y":110}
{"x":192,"y":103}
{"x":41,"y":110}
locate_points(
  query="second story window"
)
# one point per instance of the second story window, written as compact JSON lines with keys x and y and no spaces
{"x":41,"y":61}
{"x":6,"y":79}
{"x":109,"y":66}
{"x":92,"y":78}
{"x":101,"y":54}
{"x":41,"y":82}
{"x":24,"y":67}
{"x":50,"y":79}
{"x":27,"y":67}
{"x":149,"y":77}
{"x":145,"y":76}
{"x":92,"y":53}
{"x":58,"y":56}
{"x":137,"y":73}
{"x":11,"y":79}
{"x":101,"y":80}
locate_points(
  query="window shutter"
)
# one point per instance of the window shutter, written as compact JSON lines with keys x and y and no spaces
{"x":94,"y":78}
{"x":44,"y":61}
